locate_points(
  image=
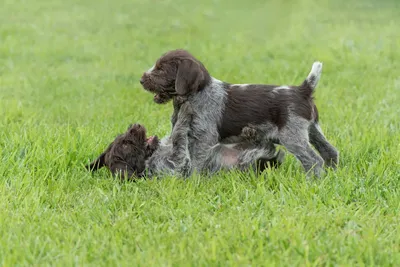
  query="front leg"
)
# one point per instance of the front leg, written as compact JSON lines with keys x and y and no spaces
{"x":178,"y":101}
{"x":180,"y":156}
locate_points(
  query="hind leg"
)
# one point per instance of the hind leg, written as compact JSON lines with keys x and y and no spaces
{"x":307,"y":156}
{"x":327,"y":151}
{"x":295,"y":138}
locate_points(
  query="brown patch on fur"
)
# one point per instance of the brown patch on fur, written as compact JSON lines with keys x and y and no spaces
{"x":258,"y":103}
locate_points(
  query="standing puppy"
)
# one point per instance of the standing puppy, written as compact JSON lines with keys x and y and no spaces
{"x":286,"y":114}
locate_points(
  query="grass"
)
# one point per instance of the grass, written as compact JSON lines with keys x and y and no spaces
{"x":69,"y":74}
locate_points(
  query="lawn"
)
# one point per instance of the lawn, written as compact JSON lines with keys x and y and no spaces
{"x":69,"y":83}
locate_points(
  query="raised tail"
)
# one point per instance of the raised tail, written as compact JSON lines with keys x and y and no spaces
{"x":308,"y":86}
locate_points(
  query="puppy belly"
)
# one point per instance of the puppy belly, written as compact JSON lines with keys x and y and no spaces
{"x":229,"y":158}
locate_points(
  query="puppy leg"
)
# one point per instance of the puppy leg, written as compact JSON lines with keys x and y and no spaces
{"x":250,"y":134}
{"x":260,"y":137}
{"x":305,"y":154}
{"x":328,"y":152}
{"x":274,"y":162}
{"x":295,"y":138}
{"x":180,"y":156}
{"x":178,"y":101}
{"x":249,"y":158}
{"x":257,"y":149}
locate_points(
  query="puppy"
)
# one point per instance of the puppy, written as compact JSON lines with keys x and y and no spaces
{"x":132,"y":155}
{"x":127,"y":153}
{"x":285,"y":114}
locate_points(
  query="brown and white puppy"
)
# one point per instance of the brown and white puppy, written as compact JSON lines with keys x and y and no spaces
{"x":285,"y":114}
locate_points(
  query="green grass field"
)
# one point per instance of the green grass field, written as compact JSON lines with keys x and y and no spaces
{"x":69,"y":83}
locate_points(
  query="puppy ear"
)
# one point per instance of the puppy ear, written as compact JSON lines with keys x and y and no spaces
{"x":189,"y":77}
{"x":97,"y":164}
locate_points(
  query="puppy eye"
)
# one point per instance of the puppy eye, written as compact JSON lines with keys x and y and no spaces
{"x":119,"y":158}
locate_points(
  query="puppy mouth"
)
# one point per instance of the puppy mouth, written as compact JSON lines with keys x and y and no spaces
{"x":150,"y":140}
{"x":161,"y":94}
{"x":151,"y":145}
{"x":150,"y":86}
{"x":152,"y":90}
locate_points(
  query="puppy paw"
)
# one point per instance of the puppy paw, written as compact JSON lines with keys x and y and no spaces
{"x":249,"y":133}
{"x":186,"y":168}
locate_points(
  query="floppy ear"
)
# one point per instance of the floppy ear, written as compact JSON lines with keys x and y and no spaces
{"x":97,"y":164}
{"x":188,"y":77}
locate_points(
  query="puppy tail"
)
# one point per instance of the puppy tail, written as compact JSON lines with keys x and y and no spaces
{"x":307,"y":88}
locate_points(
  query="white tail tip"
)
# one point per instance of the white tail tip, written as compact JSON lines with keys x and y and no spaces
{"x":315,"y":74}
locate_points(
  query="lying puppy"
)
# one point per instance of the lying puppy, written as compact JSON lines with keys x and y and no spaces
{"x":126,"y":154}
{"x":285,"y":114}
{"x":133,"y":155}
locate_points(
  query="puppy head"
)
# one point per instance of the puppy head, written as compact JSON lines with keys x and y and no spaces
{"x":127,"y":154}
{"x":176,"y":72}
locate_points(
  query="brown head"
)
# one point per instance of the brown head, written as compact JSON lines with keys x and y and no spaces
{"x":127,"y":154}
{"x":177,"y":72}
